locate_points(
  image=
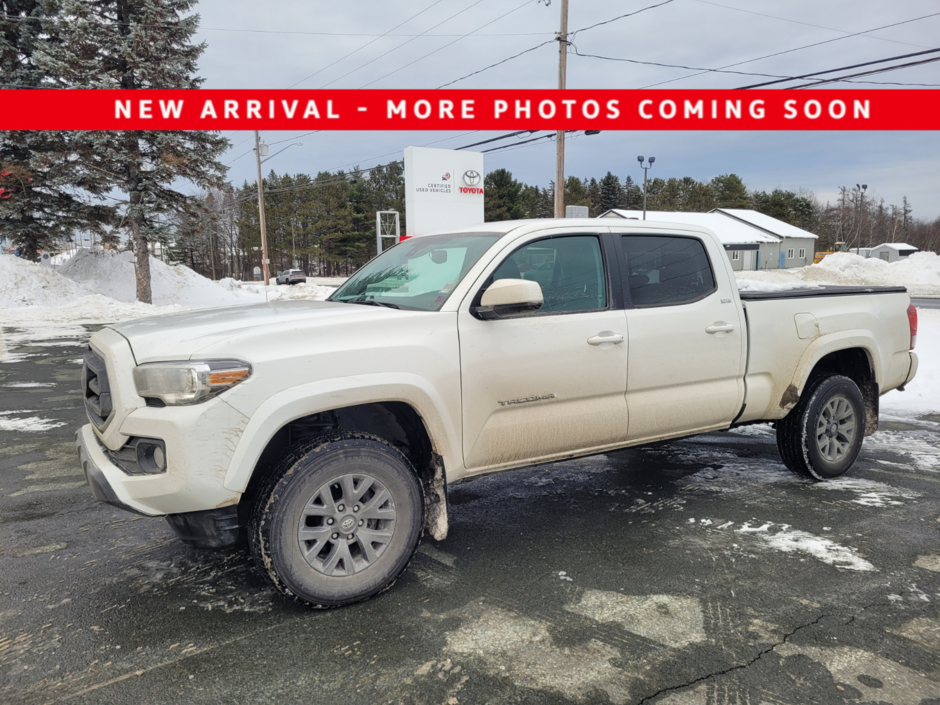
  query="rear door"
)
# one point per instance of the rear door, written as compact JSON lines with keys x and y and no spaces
{"x":543,"y":384}
{"x":687,"y":334}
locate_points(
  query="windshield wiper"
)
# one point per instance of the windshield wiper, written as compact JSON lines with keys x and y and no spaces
{"x":372,"y":302}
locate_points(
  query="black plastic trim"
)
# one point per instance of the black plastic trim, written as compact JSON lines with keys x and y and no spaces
{"x":821,"y":291}
{"x":211,"y":528}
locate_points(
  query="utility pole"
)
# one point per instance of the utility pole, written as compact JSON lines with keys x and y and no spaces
{"x":264,"y":233}
{"x":560,"y":136}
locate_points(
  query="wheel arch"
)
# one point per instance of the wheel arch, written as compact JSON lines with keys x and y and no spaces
{"x":850,"y":357}
{"x":395,"y":422}
{"x":405,"y":415}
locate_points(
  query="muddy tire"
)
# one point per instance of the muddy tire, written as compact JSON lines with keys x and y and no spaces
{"x":337,"y":520}
{"x":822,"y":435}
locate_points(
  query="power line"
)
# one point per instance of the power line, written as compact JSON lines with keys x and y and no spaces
{"x":497,"y":139}
{"x":779,"y":78}
{"x":619,"y":17}
{"x":518,"y":144}
{"x":805,"y":24}
{"x":372,"y":61}
{"x":865,"y":73}
{"x":427,"y":144}
{"x":790,"y":51}
{"x":843,"y":68}
{"x":516,"y":56}
{"x":518,"y":7}
{"x":346,"y":56}
{"x":678,"y":66}
{"x":12,"y":18}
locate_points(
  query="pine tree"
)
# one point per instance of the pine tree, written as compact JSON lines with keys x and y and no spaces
{"x":140,"y":44}
{"x":610,"y":193}
{"x":631,"y":197}
{"x":48,"y":193}
{"x":593,"y":197}
{"x":502,"y":196}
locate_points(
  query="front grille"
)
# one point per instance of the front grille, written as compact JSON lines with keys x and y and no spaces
{"x":96,"y":389}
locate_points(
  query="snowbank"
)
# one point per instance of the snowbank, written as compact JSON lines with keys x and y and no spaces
{"x":920,"y":273}
{"x":112,"y":274}
{"x":98,"y":287}
{"x":922,"y":395}
{"x":25,"y":283}
{"x":754,"y":285}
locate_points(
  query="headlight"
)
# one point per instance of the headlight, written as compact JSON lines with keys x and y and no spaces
{"x":193,"y":382}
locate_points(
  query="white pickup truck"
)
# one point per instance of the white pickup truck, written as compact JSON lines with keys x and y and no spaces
{"x":330,"y":430}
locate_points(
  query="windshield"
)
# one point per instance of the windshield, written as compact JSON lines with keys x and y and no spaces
{"x":418,"y":273}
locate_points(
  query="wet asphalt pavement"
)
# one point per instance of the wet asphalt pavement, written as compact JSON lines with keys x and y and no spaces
{"x":693,"y":572}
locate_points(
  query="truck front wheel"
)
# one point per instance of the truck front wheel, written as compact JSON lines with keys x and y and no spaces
{"x":821,"y":436}
{"x":337,"y":520}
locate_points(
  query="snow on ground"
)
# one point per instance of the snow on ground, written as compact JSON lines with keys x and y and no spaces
{"x":101,"y":287}
{"x":922,"y":395}
{"x":111,"y":274}
{"x":25,"y":283}
{"x":920,"y":273}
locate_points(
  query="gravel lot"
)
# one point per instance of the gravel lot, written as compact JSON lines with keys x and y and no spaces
{"x":699,"y":571}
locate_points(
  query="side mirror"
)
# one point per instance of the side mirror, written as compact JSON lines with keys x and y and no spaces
{"x":509,"y":297}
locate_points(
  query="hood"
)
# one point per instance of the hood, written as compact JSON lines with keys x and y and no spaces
{"x":180,"y":336}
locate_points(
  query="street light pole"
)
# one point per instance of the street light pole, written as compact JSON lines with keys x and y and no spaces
{"x":560,"y":135}
{"x":645,"y":169}
{"x":264,"y":233}
{"x":861,"y":204}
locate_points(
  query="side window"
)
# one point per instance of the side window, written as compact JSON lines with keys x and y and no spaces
{"x":570,"y":271}
{"x":664,"y":270}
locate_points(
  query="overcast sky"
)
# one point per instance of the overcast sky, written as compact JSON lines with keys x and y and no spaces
{"x":304,"y":44}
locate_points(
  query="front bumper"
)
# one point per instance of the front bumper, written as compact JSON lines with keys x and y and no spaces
{"x":209,"y":528}
{"x":94,"y":475}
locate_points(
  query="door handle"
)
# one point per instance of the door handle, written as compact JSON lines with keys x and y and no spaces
{"x":605,"y":337}
{"x":720,"y":328}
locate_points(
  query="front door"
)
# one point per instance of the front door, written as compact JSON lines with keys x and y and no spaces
{"x":551,"y":383}
{"x":686,"y":336}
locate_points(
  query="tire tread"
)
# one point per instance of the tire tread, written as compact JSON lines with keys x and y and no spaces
{"x":265,"y":496}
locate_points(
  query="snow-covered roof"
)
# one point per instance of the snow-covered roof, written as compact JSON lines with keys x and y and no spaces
{"x":895,"y":246}
{"x":728,"y":230}
{"x":766,"y":223}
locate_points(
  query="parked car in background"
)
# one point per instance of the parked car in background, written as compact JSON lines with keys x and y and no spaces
{"x":291,"y":276}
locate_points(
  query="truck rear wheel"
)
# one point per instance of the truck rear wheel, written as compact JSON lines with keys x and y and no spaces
{"x":338,"y":520}
{"x":822,"y":435}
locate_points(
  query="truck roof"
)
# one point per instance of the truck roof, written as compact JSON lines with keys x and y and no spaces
{"x":727,"y":230}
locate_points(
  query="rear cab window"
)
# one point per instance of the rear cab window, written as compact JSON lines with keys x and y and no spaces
{"x":666,"y":270}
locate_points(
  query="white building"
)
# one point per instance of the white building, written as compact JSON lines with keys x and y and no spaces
{"x":747,"y":240}
{"x":797,"y":246}
{"x":892,"y":251}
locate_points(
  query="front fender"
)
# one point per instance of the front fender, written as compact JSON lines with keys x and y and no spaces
{"x":327,"y":395}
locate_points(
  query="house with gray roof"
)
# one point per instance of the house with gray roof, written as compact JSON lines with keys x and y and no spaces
{"x":748,"y":247}
{"x":797,"y":246}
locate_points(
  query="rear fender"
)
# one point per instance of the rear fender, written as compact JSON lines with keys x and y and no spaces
{"x":824,"y":345}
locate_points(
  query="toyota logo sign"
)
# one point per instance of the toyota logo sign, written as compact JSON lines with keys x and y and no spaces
{"x":472,"y":178}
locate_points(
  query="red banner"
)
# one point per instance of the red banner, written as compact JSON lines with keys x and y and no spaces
{"x":470,"y":109}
